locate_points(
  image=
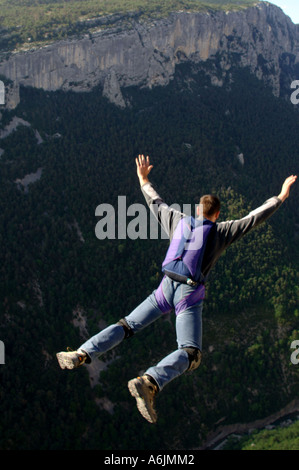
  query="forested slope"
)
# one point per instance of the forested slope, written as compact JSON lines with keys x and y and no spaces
{"x":51,"y":262}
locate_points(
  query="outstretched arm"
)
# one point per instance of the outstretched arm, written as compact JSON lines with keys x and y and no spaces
{"x":233,"y":230}
{"x":285,"y":190}
{"x":167,"y":216}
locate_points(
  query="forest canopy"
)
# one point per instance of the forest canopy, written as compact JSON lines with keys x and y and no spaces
{"x":52,"y":266}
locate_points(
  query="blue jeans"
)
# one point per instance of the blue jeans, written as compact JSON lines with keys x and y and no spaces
{"x":187,"y":302}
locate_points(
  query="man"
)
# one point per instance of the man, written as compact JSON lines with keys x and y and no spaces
{"x":195,"y":246}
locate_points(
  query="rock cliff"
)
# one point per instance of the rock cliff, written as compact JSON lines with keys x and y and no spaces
{"x":145,"y":54}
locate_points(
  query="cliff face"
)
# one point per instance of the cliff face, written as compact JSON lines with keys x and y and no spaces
{"x":146,"y":54}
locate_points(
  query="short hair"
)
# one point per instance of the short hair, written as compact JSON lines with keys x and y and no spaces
{"x":210,"y":204}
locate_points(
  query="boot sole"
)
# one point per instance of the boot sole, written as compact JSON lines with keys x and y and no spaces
{"x":65,"y":361}
{"x":135,"y":388}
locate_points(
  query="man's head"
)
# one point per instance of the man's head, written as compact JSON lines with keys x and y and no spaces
{"x":210,"y":207}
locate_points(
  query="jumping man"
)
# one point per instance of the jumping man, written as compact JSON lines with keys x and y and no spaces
{"x":195,"y":246}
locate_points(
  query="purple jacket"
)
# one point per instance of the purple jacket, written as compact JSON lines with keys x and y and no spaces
{"x":225,"y":234}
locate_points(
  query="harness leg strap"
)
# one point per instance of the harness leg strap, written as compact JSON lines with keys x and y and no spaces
{"x":128,"y":331}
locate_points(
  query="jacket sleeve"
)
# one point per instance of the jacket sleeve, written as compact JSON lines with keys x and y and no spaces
{"x":231,"y":231}
{"x":168,"y":217}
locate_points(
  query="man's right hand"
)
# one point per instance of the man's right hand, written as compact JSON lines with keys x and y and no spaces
{"x":285,"y":190}
{"x":143,"y":169}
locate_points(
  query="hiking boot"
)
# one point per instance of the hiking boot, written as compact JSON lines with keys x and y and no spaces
{"x":71,"y":359}
{"x":145,"y":393}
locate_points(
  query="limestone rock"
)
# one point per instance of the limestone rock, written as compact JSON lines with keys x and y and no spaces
{"x":261,"y":37}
